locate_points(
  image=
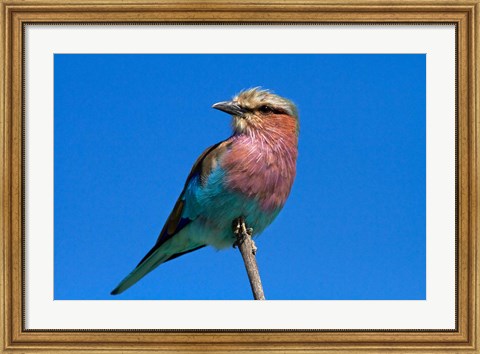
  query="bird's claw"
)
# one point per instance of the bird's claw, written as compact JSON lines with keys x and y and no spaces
{"x":241,"y":231}
{"x":237,"y":229}
{"x":237,"y":225}
{"x":254,"y":248}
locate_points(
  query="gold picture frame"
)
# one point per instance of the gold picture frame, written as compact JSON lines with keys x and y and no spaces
{"x":463,"y":14}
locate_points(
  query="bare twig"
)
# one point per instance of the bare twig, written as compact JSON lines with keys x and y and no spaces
{"x":248,"y":249}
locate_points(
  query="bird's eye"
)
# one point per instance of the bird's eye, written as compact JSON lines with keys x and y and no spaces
{"x":265,"y":109}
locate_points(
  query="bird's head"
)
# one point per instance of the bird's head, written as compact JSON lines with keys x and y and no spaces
{"x":256,"y":109}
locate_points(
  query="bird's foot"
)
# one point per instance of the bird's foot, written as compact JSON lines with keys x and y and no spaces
{"x":237,"y":226}
{"x":254,"y":247}
{"x":241,"y":231}
{"x":237,"y":230}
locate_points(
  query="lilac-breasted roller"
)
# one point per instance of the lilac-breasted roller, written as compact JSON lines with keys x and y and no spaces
{"x":248,"y":175}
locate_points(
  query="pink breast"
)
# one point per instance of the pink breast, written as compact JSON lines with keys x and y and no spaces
{"x":262,"y":168}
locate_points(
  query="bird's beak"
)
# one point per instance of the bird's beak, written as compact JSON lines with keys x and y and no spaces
{"x":229,"y":107}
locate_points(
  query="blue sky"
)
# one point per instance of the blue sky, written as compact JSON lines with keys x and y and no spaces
{"x":129,"y":127}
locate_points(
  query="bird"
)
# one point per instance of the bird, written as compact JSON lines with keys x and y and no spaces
{"x":248,"y":175}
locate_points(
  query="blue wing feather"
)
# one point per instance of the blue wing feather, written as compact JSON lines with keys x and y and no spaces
{"x":177,"y":221}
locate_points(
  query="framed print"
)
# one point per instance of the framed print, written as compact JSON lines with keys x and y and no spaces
{"x":353,"y":125}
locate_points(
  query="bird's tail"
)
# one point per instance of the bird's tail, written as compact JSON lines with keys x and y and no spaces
{"x":145,"y":267}
{"x":160,"y":253}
